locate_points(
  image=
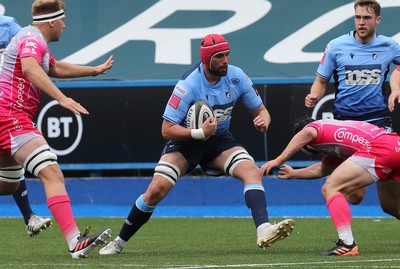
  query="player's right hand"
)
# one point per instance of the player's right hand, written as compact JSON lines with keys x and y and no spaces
{"x":285,"y":172}
{"x":209,"y":127}
{"x":73,"y":106}
{"x":311,"y":100}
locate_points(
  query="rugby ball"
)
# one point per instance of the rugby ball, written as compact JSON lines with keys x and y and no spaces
{"x":197,"y":114}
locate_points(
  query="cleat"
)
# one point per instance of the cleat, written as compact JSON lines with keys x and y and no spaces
{"x":274,"y":233}
{"x":111,"y":249}
{"x":86,"y":243}
{"x":342,"y":249}
{"x":37,"y":224}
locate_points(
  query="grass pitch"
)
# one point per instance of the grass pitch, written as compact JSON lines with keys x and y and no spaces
{"x":203,"y":243}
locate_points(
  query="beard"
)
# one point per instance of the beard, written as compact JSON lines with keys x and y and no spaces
{"x":219,"y":72}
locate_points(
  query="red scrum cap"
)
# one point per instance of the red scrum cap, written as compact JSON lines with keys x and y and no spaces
{"x":210,"y":45}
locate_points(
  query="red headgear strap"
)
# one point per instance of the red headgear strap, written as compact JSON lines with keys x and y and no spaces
{"x":210,"y":45}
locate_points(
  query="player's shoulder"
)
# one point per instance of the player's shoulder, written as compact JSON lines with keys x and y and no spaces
{"x":6,"y":19}
{"x":386,"y":41}
{"x":341,"y":41}
{"x":236,"y":74}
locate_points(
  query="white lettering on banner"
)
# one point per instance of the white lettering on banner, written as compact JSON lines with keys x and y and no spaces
{"x":173,"y":45}
{"x":54,"y":126}
{"x":290,"y":49}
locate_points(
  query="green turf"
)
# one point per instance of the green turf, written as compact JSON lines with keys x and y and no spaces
{"x":193,"y":243}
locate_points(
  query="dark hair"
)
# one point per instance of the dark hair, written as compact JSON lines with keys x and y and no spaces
{"x":298,"y":126}
{"x":310,"y":152}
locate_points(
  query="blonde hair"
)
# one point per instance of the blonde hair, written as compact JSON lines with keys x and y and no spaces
{"x":41,"y":7}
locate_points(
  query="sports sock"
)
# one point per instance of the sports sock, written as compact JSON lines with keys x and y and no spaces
{"x":22,"y":201}
{"x":139,"y":215}
{"x":60,"y":208}
{"x":254,"y":196}
{"x":340,"y":213}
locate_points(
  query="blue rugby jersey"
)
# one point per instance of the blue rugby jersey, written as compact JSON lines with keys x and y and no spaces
{"x":8,"y":29}
{"x":222,"y":97}
{"x":359,"y":71}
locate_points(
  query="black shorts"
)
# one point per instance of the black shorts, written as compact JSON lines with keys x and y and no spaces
{"x":199,"y":152}
{"x":381,"y":119}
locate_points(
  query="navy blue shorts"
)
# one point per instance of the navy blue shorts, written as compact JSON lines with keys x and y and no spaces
{"x":199,"y":152}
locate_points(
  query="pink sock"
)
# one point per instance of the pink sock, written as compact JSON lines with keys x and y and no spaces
{"x":60,"y":208}
{"x":341,"y":217}
{"x":339,"y":210}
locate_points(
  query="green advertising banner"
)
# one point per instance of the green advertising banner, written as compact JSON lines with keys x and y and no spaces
{"x":159,"y":40}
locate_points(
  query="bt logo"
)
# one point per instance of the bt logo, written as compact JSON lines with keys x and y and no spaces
{"x":61,"y":128}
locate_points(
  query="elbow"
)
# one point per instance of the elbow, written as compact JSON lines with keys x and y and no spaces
{"x":165,"y":134}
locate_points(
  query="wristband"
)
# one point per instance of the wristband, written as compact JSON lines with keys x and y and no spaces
{"x":197,"y":134}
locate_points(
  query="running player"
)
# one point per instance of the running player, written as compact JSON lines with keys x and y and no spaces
{"x":34,"y":224}
{"x":25,"y":67}
{"x":212,"y":146}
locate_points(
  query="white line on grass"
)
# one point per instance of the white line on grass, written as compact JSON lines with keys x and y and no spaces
{"x":266,"y":265}
{"x":340,"y":264}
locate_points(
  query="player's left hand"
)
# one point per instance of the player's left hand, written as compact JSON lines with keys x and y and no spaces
{"x":260,"y":124}
{"x":101,"y":69}
{"x":392,"y":100}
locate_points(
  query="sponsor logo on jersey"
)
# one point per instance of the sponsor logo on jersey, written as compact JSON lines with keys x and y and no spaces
{"x":19,"y":103}
{"x":222,"y":112}
{"x":234,"y":81}
{"x":322,"y":59}
{"x":17,"y":126}
{"x":342,"y":135}
{"x":174,"y":101}
{"x":180,"y":90}
{"x":363,"y":75}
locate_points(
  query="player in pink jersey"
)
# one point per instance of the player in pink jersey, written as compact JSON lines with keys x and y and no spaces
{"x":26,"y":66}
{"x":370,"y":155}
{"x":34,"y":224}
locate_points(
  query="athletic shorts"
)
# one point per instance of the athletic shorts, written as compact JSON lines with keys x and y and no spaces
{"x":15,"y":132}
{"x":199,"y":152}
{"x":381,"y":158}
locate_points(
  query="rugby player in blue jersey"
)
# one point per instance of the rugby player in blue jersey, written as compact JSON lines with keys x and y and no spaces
{"x":212,"y":146}
{"x":359,"y":63}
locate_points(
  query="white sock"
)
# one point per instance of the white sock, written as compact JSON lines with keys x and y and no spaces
{"x":120,"y":241}
{"x":261,"y":227}
{"x":73,"y":240}
{"x":346,"y":235}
